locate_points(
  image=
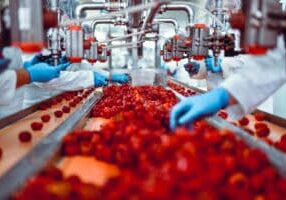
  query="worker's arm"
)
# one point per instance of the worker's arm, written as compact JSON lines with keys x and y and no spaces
{"x":23,"y":77}
{"x":256,"y":81}
{"x":68,"y":80}
{"x":241,"y":93}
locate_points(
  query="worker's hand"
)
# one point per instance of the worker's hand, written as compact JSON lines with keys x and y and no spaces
{"x":192,"y":68}
{"x":33,"y":61}
{"x":43,"y":72}
{"x":99,"y":79}
{"x":120,"y":78}
{"x":192,"y":108}
{"x":210,"y":64}
{"x":63,"y":60}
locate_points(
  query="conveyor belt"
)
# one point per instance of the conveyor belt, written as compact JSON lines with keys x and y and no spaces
{"x":6,"y":121}
{"x":276,"y":157}
{"x":39,"y":156}
{"x":46,"y":150}
{"x":268,"y":117}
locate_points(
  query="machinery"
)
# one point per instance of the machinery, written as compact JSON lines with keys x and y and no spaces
{"x":260,"y":24}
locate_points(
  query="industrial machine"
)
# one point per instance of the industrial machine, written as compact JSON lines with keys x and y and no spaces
{"x":123,"y":116}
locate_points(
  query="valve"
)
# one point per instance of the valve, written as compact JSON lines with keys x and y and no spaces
{"x":74,"y":43}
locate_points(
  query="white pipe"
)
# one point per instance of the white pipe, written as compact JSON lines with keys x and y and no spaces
{"x":111,"y":15}
{"x":182,"y":7}
{"x":168,"y":21}
{"x":124,"y":37}
{"x":88,"y":6}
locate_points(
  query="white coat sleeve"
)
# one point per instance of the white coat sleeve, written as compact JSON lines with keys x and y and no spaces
{"x":70,"y":81}
{"x":8,"y":81}
{"x":258,"y":79}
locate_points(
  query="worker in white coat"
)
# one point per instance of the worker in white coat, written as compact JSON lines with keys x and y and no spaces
{"x":10,"y":80}
{"x":241,"y":93}
{"x":76,"y":77}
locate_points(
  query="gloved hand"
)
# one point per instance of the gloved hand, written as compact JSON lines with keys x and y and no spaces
{"x":63,"y":60}
{"x":43,"y":72}
{"x":99,"y":79}
{"x":210,"y":64}
{"x":120,"y":78}
{"x":35,"y":60}
{"x":192,"y":68}
{"x":192,"y":108}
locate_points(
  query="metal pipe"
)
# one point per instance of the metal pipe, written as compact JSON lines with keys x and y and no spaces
{"x":89,"y":6}
{"x":101,"y":21}
{"x":168,"y":21}
{"x":157,"y":53}
{"x":129,"y":45}
{"x":111,"y":15}
{"x":151,"y":15}
{"x":124,"y":37}
{"x":181,"y":7}
{"x":97,"y":6}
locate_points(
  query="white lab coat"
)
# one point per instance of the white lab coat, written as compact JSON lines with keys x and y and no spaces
{"x":77,"y":77}
{"x":8,"y":80}
{"x":14,"y":100}
{"x":260,"y":77}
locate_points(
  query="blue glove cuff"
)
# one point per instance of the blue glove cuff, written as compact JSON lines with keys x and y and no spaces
{"x":223,"y":94}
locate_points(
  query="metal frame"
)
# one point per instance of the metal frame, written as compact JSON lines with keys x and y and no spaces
{"x":37,"y":158}
{"x":22,"y":113}
{"x":275,"y":156}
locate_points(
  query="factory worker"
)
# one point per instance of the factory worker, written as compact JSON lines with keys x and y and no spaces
{"x":10,"y":79}
{"x":76,"y":77}
{"x":241,"y":93}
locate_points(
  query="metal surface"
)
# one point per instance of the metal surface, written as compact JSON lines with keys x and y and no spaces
{"x":199,"y":34}
{"x":92,"y":54}
{"x":180,"y":7}
{"x":101,"y":21}
{"x":6,"y":121}
{"x":35,"y":160}
{"x":74,"y":43}
{"x":98,"y":6}
{"x":168,"y":21}
{"x":27,"y":24}
{"x":257,"y":30}
{"x":54,"y":45}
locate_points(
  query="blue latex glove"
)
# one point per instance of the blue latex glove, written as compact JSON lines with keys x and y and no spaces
{"x":120,"y":78}
{"x":4,"y":64}
{"x":35,"y":60}
{"x":63,"y":60}
{"x":99,"y":79}
{"x":43,"y":72}
{"x":210,"y":64}
{"x":192,"y":108}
